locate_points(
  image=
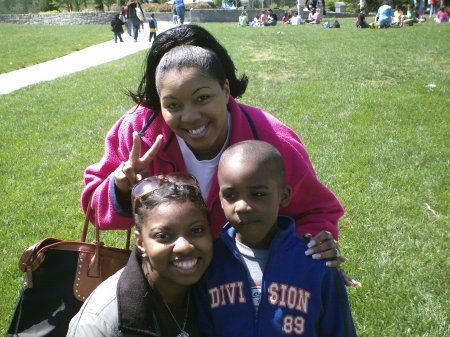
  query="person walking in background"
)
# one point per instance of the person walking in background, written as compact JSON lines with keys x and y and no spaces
{"x":133,"y":18}
{"x":433,"y":4}
{"x":127,"y":22}
{"x":300,"y":7}
{"x":140,"y":15}
{"x":153,"y":25}
{"x":362,"y":5}
{"x":419,"y":5}
{"x":175,"y":18}
{"x":180,"y":8}
{"x":116,"y":28}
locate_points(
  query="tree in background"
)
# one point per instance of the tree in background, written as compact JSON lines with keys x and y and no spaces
{"x":98,"y":5}
{"x":46,"y":5}
{"x":19,"y":6}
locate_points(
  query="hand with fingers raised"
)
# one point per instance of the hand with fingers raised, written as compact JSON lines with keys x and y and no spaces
{"x":130,"y":172}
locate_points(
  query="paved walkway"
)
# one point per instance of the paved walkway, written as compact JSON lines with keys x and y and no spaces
{"x":76,"y":61}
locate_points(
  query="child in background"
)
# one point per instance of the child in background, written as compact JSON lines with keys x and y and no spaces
{"x":153,"y":24}
{"x":116,"y":28}
{"x":260,"y":281}
{"x":175,"y":18}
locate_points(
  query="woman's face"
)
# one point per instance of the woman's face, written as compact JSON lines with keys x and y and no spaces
{"x":194,"y":106}
{"x":177,"y":240}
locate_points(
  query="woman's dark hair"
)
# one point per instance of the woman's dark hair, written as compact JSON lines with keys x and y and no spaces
{"x":194,"y":35}
{"x":188,"y":56}
{"x":167,"y":192}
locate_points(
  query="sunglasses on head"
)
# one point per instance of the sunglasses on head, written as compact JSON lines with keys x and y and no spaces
{"x":150,"y":184}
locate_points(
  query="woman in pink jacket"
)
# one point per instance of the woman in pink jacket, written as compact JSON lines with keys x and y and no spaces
{"x":184,"y":118}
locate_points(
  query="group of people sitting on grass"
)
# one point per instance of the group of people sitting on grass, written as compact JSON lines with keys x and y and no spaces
{"x":386,"y":17}
{"x":269,"y":18}
{"x":264,"y":18}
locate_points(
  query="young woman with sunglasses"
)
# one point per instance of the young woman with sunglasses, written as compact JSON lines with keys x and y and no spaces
{"x":185,"y":116}
{"x":151,"y":295}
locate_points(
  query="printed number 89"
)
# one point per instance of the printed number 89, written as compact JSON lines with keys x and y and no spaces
{"x":294,"y":325}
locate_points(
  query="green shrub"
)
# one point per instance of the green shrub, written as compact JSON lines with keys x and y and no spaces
{"x":50,"y":12}
{"x":201,"y":5}
{"x":156,"y":7}
{"x":165,"y":7}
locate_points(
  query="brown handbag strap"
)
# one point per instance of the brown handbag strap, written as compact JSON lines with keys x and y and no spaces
{"x":97,"y":229}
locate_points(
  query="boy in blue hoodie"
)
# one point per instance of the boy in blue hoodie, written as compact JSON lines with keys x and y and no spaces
{"x":260,"y":282}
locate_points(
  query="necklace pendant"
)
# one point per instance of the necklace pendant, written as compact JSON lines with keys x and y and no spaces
{"x":183,"y":334}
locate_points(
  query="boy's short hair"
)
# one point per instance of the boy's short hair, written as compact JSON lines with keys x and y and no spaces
{"x":262,"y":152}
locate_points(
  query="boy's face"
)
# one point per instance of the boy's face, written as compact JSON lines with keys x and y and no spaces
{"x":251,"y":196}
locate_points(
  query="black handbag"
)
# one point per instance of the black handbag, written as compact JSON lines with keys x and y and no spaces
{"x":59,"y":276}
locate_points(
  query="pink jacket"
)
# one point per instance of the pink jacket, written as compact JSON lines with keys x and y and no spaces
{"x":312,"y":205}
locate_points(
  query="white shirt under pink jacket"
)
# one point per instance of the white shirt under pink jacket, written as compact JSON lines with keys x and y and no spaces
{"x":313,"y":206}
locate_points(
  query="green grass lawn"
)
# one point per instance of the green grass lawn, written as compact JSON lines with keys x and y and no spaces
{"x":24,"y":45}
{"x":371,"y":106}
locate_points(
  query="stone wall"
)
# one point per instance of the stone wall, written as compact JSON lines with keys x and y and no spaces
{"x":60,"y":19}
{"x":101,"y":18}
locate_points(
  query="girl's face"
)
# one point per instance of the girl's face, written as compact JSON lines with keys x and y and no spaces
{"x":177,"y":239}
{"x":194,"y":106}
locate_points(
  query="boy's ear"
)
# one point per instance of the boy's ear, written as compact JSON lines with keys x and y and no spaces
{"x":139,"y":242}
{"x":285,"y":195}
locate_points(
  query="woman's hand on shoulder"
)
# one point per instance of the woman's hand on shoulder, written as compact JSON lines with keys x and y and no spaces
{"x":130,"y":172}
{"x":324,"y":246}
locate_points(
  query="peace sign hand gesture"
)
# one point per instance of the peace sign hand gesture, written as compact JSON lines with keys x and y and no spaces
{"x":130,"y":172}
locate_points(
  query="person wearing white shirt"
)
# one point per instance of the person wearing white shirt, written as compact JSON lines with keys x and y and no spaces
{"x":297,"y":19}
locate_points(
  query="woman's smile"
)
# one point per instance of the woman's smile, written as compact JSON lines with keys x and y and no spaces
{"x":199,"y":131}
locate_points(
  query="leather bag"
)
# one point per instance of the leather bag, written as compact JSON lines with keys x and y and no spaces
{"x":59,"y":276}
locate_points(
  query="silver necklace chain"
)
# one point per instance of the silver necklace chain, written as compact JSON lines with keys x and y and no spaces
{"x":182,"y":332}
